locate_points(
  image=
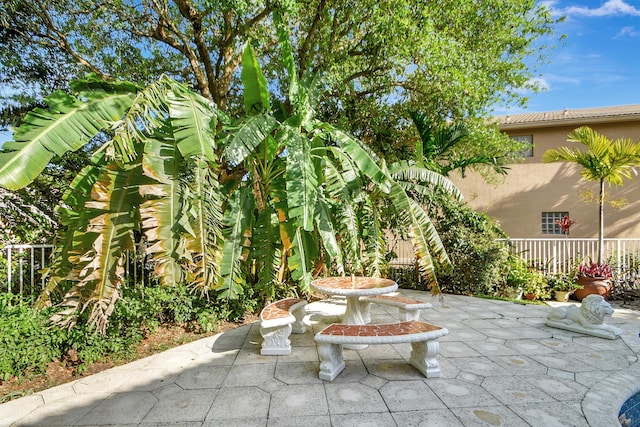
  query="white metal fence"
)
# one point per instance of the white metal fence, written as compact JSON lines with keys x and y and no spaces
{"x":22,"y":263}
{"x":559,"y":255}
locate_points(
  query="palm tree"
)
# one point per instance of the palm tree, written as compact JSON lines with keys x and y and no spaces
{"x":603,"y":161}
{"x":233,"y":207}
{"x":442,"y":148}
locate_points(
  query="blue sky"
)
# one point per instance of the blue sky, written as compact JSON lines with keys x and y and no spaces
{"x":599,"y":63}
{"x":597,"y":66}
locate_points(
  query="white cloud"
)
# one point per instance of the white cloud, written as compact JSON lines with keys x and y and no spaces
{"x":563,"y":79}
{"x":627,"y":31}
{"x":608,"y":8}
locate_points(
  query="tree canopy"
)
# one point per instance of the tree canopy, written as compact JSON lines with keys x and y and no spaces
{"x":449,"y":59}
{"x":233,"y":205}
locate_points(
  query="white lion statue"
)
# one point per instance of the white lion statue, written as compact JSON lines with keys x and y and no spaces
{"x":587,"y":318}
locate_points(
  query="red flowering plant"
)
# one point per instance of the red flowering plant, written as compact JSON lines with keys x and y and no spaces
{"x":591,"y":269}
{"x":565,"y":224}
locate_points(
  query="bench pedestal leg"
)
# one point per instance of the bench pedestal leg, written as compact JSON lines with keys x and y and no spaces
{"x":331,"y":361}
{"x":276,"y":341}
{"x":299,"y":326}
{"x":423,"y":358}
{"x":408,"y":315}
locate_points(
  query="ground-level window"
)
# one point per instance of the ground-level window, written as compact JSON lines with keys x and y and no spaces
{"x":528,"y":139}
{"x":549,"y":225}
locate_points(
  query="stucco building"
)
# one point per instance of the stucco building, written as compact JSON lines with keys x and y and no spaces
{"x":534,"y":194}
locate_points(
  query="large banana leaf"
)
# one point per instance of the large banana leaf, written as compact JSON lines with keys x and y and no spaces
{"x":206,"y":219}
{"x":350,"y":234}
{"x":163,"y":214}
{"x":422,"y":232}
{"x":147,"y":113}
{"x":424,"y":236}
{"x":194,"y":124}
{"x":247,"y":135}
{"x":68,"y":124}
{"x":256,"y":93}
{"x":341,"y":185}
{"x":237,"y":234}
{"x":302,"y":254}
{"x":74,"y":219}
{"x":365,"y":159}
{"x":436,"y":247}
{"x":98,"y":251}
{"x":302,"y":183}
{"x":328,"y":235}
{"x":375,"y":247}
{"x":266,"y":251}
{"x":287,"y":56}
{"x":343,"y":180}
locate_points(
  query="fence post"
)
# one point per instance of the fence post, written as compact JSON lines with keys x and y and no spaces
{"x":618,"y":261}
{"x":42,"y":260}
{"x":9,"y":261}
{"x":555,"y":257}
{"x":21,"y":261}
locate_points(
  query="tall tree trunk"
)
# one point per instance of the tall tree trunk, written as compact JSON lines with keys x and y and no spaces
{"x":601,"y":223}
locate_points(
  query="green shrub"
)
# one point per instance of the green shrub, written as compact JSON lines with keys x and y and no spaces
{"x":27,"y":343}
{"x":523,"y":279}
{"x":469,"y":238}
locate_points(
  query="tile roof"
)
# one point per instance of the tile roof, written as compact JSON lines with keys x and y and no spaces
{"x":570,"y":117}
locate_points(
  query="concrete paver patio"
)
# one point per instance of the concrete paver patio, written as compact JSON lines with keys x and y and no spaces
{"x":501,"y":366}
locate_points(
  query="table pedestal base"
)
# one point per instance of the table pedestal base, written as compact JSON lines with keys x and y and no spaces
{"x":354,"y":315}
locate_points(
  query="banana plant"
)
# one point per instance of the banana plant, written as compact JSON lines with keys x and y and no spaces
{"x":258,"y":204}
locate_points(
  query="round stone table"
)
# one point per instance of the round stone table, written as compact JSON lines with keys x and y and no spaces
{"x":353,"y":288}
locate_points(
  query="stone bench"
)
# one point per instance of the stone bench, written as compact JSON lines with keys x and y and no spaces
{"x":277,"y":321}
{"x":422,"y":336}
{"x":408,"y":308}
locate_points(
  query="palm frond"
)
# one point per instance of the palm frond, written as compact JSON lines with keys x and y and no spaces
{"x":409,"y":174}
{"x":423,"y":125}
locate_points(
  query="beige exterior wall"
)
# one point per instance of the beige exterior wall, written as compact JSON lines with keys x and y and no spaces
{"x":533,"y":187}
